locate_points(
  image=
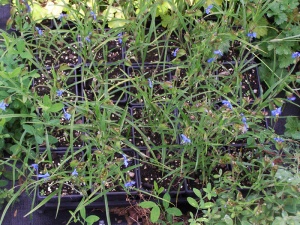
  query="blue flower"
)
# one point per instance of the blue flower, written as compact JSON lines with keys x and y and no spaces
{"x":278,"y":140}
{"x":150,"y":83}
{"x":185,"y":139}
{"x":66,"y":115}
{"x":251,"y":34}
{"x":120,"y":38}
{"x":3,"y":105}
{"x":125,"y":160}
{"x":227,"y":104}
{"x":93,"y":15}
{"x":207,"y":10}
{"x":211,"y":60}
{"x":59,"y":92}
{"x":62,"y":15}
{"x":46,"y":176}
{"x":218,"y":52}
{"x":244,"y":120}
{"x":291,"y":98}
{"x":27,"y":6}
{"x":296,"y":55}
{"x":276,"y":112}
{"x":87,"y":38}
{"x":175,"y":52}
{"x":129,"y":184}
{"x":40,"y":32}
{"x":35,"y":167}
{"x":74,"y":173}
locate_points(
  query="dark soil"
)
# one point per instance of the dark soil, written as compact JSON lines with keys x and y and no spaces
{"x":110,"y":52}
{"x":63,"y":51}
{"x":151,"y":170}
{"x":64,"y":80}
{"x":236,"y":53}
{"x":150,"y":49}
{"x":68,"y":187}
{"x":147,"y":121}
{"x":160,"y":80}
{"x":249,"y":82}
{"x":106,"y":77}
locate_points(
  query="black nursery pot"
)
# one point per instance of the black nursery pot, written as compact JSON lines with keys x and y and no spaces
{"x":119,"y":189}
{"x":72,"y":189}
{"x":104,"y":77}
{"x":155,"y":81}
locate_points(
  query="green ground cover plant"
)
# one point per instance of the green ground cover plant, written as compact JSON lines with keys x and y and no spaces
{"x":198,"y":115}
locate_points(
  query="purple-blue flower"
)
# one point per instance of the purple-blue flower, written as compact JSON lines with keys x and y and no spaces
{"x":3,"y":105}
{"x":66,"y":115}
{"x":59,"y":92}
{"x":35,"y":167}
{"x":27,"y":5}
{"x":93,"y":15}
{"x":296,"y":55}
{"x":40,"y":32}
{"x":129,"y":184}
{"x":150,"y":83}
{"x":251,"y":34}
{"x":227,"y":104}
{"x":175,"y":52}
{"x":120,"y":38}
{"x":185,"y":139}
{"x":211,"y":60}
{"x":87,"y":38}
{"x":291,"y":98}
{"x":125,"y":160}
{"x":218,"y":52}
{"x":207,"y":10}
{"x":244,"y":120}
{"x":74,"y":173}
{"x":276,"y":112}
{"x":278,"y":140}
{"x":46,"y":176}
{"x":62,"y":15}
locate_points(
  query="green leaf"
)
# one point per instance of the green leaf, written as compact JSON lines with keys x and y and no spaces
{"x":56,"y":107}
{"x":46,"y":100}
{"x":174,"y":211}
{"x":29,"y":129}
{"x":243,"y":222}
{"x":3,"y":183}
{"x":147,"y":204}
{"x":92,"y":219}
{"x":166,"y":200}
{"x":193,"y":202}
{"x":228,"y":220}
{"x":83,"y":212}
{"x":154,"y":214}
{"x":197,"y":192}
{"x":207,"y":205}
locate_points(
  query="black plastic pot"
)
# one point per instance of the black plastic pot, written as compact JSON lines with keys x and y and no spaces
{"x":70,"y":192}
{"x":104,"y":77}
{"x":153,"y":81}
